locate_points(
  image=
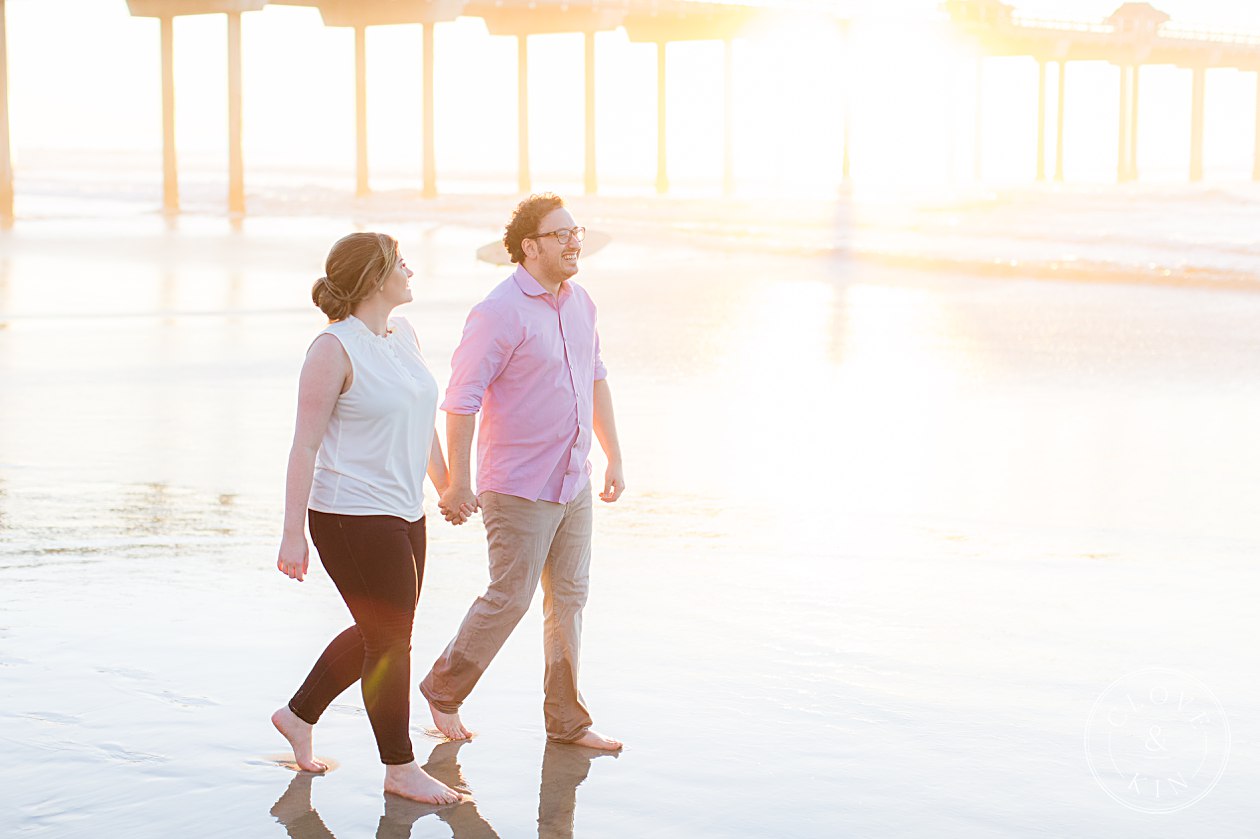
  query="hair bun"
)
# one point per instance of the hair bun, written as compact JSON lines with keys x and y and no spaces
{"x":331,"y":289}
{"x":361,"y":262}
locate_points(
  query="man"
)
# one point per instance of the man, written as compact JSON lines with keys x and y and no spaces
{"x":529,"y":362}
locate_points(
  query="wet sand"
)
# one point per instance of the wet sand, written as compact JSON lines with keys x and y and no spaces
{"x":889,"y":538}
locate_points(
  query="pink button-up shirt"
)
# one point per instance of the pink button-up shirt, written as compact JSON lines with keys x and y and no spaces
{"x":528,"y":362}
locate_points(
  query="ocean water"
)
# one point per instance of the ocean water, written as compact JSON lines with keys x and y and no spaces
{"x":1157,"y":232}
{"x":912,"y":546}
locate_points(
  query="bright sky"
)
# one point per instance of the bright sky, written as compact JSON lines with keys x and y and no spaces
{"x":84,"y":75}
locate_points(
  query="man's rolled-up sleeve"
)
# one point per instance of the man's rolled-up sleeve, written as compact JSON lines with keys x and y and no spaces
{"x":601,"y":372}
{"x":483,"y":353}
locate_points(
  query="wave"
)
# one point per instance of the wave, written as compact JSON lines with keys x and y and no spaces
{"x":1193,"y":235}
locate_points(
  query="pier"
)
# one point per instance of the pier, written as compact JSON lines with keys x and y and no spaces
{"x":653,"y":22}
{"x":1135,"y":36}
{"x":166,"y":11}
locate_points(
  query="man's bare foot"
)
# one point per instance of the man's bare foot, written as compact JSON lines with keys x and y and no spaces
{"x":410,"y":781}
{"x":299,"y":734}
{"x":449,"y":724}
{"x":595,"y":740}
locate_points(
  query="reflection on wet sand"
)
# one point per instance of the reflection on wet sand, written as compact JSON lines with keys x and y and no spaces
{"x":293,"y":810}
{"x":564,"y":768}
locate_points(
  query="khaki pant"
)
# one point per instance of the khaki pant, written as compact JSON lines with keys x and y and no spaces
{"x":528,"y":541}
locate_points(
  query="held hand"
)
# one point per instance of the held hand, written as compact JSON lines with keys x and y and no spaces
{"x":457,"y":516}
{"x":295,"y":557}
{"x":464,"y":514}
{"x":614,"y":483}
{"x":458,"y":504}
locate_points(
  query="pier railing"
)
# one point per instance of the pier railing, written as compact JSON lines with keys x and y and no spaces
{"x":1060,"y":25}
{"x":1212,"y":36}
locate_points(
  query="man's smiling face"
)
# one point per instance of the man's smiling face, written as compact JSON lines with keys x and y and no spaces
{"x":546,"y":259}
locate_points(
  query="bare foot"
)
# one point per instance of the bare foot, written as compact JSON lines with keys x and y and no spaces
{"x":449,"y":724}
{"x":595,"y":740}
{"x":299,"y":734}
{"x":410,"y":781}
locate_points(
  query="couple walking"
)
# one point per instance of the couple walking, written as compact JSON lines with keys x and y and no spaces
{"x":529,"y":363}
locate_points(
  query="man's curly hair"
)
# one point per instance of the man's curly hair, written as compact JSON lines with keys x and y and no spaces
{"x":525,"y":220}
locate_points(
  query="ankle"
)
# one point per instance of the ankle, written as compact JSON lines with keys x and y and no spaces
{"x":393,"y":770}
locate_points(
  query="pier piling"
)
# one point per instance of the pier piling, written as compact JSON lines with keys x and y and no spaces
{"x":236,"y":162}
{"x":6,"y":154}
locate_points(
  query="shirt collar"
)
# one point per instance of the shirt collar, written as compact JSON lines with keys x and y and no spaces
{"x":363,"y":329}
{"x":525,"y":282}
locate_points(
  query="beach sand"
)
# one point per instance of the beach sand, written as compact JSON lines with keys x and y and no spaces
{"x":891,"y":539}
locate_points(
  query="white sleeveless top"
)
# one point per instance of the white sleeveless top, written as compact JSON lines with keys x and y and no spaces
{"x":374,"y":455}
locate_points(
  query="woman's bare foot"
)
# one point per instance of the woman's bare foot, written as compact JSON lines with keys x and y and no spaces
{"x":449,"y":724}
{"x":299,"y":734}
{"x":595,"y":740}
{"x":410,"y":781}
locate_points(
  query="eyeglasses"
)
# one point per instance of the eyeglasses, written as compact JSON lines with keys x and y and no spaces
{"x":563,"y":234}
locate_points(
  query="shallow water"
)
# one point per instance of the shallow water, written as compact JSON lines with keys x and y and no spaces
{"x":889,"y":539}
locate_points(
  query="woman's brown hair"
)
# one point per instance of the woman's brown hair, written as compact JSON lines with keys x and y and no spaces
{"x":356,"y":268}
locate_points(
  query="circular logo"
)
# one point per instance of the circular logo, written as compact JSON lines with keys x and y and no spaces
{"x":1157,"y":740}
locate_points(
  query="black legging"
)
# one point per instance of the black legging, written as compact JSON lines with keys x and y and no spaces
{"x":377,"y":563}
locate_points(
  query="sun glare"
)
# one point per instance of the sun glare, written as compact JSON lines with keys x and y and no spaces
{"x":905,"y":102}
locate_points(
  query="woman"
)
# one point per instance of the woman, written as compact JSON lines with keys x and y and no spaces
{"x":364,"y":440}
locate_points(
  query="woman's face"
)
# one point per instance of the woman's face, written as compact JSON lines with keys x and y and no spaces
{"x":397,"y":287}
